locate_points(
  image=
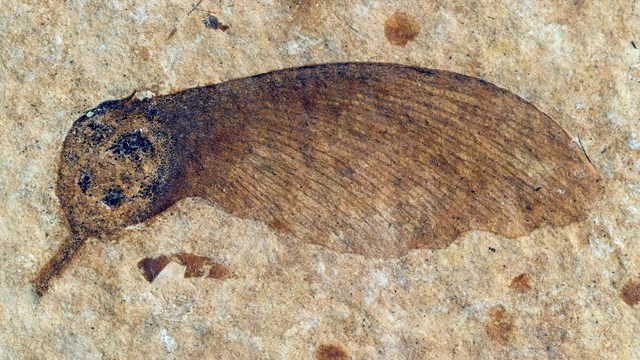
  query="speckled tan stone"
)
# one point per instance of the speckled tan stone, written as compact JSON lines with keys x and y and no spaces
{"x":575,"y":60}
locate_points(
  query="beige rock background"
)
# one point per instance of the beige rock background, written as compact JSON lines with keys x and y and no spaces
{"x":575,"y":60}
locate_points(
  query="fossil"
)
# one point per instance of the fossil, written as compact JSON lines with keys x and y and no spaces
{"x":372,"y":159}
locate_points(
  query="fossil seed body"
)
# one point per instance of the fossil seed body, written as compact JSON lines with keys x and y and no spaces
{"x":374,"y":159}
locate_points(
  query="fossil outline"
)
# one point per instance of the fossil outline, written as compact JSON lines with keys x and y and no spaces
{"x":371,"y":158}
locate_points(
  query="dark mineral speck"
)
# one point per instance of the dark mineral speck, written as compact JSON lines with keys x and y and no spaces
{"x":211,"y":22}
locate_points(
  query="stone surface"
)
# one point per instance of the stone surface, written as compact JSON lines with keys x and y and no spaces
{"x":577,"y":61}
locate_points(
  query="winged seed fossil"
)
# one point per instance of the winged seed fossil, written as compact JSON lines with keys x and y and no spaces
{"x":374,"y":159}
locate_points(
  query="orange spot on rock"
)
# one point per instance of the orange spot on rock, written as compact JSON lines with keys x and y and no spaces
{"x":630,"y":293}
{"x":521,"y":283}
{"x":400,"y":28}
{"x":151,"y":267}
{"x":500,"y":325}
{"x":330,"y":352}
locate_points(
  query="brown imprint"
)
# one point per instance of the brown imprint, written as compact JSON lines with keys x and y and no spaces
{"x":330,"y":352}
{"x":521,"y":283}
{"x":499,"y":326}
{"x":630,"y":293}
{"x":144,"y":53}
{"x":195,"y":264}
{"x":372,"y":159}
{"x":400,"y":28}
{"x":308,"y":15}
{"x":217,"y":271}
{"x":151,"y":267}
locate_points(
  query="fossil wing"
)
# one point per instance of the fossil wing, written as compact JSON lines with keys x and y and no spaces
{"x":380,"y":159}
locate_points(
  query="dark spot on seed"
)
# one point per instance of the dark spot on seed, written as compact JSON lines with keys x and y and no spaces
{"x":84,"y":181}
{"x":537,"y":188}
{"x":151,"y":267}
{"x":113,"y":197}
{"x":125,"y":178}
{"x":70,"y":156}
{"x":150,"y":190}
{"x":492,"y":249}
{"x":330,"y":352}
{"x":400,"y":28}
{"x":99,"y":131}
{"x":130,"y":143}
{"x":150,"y":113}
{"x":630,"y":293}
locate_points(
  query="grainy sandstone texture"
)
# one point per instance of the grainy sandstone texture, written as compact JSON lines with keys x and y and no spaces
{"x":563,"y":293}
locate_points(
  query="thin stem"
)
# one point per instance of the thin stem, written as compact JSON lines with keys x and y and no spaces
{"x":57,"y":263}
